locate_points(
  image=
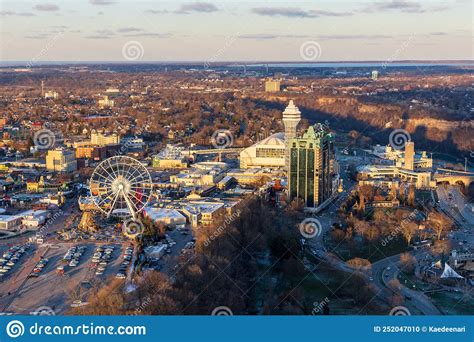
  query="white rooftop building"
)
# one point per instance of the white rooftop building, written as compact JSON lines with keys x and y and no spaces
{"x":202,"y":212}
{"x":202,"y":174}
{"x":10,"y":222}
{"x":171,"y":152}
{"x":34,"y":218}
{"x":269,"y":152}
{"x":169,"y":217}
{"x":421,"y":180}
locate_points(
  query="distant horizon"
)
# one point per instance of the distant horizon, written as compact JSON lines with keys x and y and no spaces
{"x":22,"y":63}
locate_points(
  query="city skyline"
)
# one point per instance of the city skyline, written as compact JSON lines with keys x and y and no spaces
{"x":228,"y":31}
{"x":125,"y":188}
{"x":171,"y":161}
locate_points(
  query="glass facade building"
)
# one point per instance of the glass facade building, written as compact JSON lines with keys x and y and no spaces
{"x":310,"y":170}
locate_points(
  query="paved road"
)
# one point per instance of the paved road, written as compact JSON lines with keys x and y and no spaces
{"x":457,"y":208}
{"x":388,"y":269}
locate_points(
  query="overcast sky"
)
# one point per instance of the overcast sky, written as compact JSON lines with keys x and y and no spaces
{"x":337,"y":30}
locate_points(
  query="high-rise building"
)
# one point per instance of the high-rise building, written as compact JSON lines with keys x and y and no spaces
{"x":409,"y":155}
{"x":61,"y":160}
{"x":272,"y":86}
{"x":375,"y":75}
{"x":311,"y":166}
{"x":291,"y":118}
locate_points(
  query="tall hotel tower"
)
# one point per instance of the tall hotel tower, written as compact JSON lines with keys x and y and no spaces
{"x":291,"y":118}
{"x":311,"y":166}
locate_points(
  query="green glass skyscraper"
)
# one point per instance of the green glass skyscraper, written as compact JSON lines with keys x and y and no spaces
{"x":311,"y":166}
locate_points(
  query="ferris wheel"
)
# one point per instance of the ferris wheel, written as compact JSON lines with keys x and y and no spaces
{"x":121,"y":186}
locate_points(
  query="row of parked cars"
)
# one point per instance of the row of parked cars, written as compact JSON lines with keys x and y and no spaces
{"x":187,"y":251}
{"x":73,"y":255}
{"x":39,"y":267}
{"x":127,"y":257}
{"x":101,"y":258}
{"x":10,"y":258}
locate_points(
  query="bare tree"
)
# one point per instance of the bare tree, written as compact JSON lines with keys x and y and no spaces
{"x":394,"y":284}
{"x":411,"y":195}
{"x":409,"y":230}
{"x":439,"y":222}
{"x":408,"y":262}
{"x":360,"y":264}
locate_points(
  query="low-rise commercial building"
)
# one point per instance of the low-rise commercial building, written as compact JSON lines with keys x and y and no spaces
{"x":407,"y":158}
{"x":201,"y":212}
{"x":10,"y":222}
{"x":171,"y":157}
{"x":168,"y":217}
{"x":421,"y":180}
{"x":201,"y":174}
{"x":34,"y":218}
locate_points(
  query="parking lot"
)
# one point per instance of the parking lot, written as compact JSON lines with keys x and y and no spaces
{"x":12,"y":259}
{"x":51,"y":278}
{"x":179,"y":238}
{"x":55,"y":276}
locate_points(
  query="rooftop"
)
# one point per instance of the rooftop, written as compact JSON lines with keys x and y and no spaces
{"x":155,"y":213}
{"x":9,"y":218}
